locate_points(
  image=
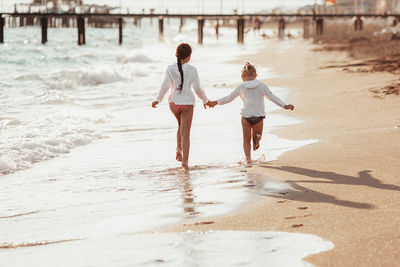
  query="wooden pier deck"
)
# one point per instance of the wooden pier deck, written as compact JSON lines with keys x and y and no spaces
{"x":80,"y":20}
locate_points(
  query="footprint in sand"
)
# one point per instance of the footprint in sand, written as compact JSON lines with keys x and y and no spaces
{"x":198,"y":223}
{"x":281,"y":201}
{"x":209,"y":203}
{"x":294,"y":217}
{"x":297,"y":225}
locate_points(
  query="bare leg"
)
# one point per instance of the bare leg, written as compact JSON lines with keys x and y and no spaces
{"x":186,"y":124}
{"x":246,"y":140}
{"x":257,"y":133}
{"x":178,"y":137}
{"x":178,"y":145}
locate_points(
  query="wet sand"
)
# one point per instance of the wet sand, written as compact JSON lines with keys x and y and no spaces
{"x":344,"y":188}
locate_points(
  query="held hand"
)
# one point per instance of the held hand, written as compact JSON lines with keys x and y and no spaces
{"x":291,"y":107}
{"x":212,"y":104}
{"x":154,"y":104}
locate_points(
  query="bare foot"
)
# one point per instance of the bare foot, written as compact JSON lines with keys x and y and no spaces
{"x":248,"y":162}
{"x":256,"y":141}
{"x":185,"y":165}
{"x":179,"y":155}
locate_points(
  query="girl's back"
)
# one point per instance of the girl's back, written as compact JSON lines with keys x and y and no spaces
{"x":183,"y":96}
{"x":252,"y":93}
{"x":189,"y":72}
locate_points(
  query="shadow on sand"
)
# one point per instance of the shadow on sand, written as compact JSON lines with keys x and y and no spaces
{"x":301,"y":193}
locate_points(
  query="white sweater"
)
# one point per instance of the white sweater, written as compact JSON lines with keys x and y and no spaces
{"x":173,"y":80}
{"x":252,"y":93}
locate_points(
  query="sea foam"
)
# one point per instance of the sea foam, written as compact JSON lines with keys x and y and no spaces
{"x":138,"y":58}
{"x":213,"y":248}
{"x":23,"y":144}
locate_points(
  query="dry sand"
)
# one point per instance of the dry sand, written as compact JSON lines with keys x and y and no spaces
{"x":344,"y":188}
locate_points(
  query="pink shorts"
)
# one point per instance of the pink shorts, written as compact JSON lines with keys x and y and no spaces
{"x":177,"y":109}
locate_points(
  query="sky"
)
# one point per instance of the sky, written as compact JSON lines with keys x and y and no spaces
{"x":208,"y":6}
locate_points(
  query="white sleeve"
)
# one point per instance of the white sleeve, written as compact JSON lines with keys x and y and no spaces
{"x":197,"y":88}
{"x":273,"y":97}
{"x":229,"y":98}
{"x":166,"y":84}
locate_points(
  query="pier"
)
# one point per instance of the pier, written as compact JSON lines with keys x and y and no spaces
{"x":82,"y":20}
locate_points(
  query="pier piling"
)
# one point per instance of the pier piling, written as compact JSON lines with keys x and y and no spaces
{"x":120,"y":24}
{"x":240,"y":30}
{"x":281,"y":28}
{"x":181,"y":25}
{"x":217,"y":30}
{"x":81,"y":30}
{"x":306,"y":28}
{"x":320,"y":26}
{"x":200,"y":23}
{"x":161,"y":28}
{"x":358,"y":24}
{"x":29,"y":21}
{"x":43,"y":23}
{"x":2,"y":22}
{"x":64,"y":21}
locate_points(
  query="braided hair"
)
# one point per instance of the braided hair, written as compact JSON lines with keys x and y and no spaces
{"x":182,"y":51}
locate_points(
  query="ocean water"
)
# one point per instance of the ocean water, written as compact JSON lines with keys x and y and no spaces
{"x":83,"y":156}
{"x":212,"y":248}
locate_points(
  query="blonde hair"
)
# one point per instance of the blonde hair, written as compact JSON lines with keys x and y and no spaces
{"x":249,"y":70}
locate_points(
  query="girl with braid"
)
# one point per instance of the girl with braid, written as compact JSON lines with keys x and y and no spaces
{"x":181,"y":78}
{"x":252,"y":92}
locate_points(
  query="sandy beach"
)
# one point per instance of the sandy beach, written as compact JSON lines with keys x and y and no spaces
{"x":344,"y":188}
{"x":81,"y":187}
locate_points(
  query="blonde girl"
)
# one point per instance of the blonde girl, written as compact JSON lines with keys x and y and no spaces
{"x":252,"y":93}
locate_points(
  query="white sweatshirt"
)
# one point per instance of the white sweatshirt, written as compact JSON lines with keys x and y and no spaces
{"x":252,"y":93}
{"x":173,"y":80}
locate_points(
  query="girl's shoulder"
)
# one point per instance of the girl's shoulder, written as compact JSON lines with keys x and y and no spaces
{"x":190,"y":67}
{"x":262,"y":85}
{"x":172,"y":66}
{"x":170,"y":69}
{"x":185,"y":67}
{"x":252,"y":84}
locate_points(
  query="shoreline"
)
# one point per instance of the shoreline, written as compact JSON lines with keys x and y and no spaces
{"x":344,"y":187}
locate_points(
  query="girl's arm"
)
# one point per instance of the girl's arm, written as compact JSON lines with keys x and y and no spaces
{"x":229,"y":98}
{"x":273,"y":97}
{"x":166,"y":84}
{"x":197,"y":88}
